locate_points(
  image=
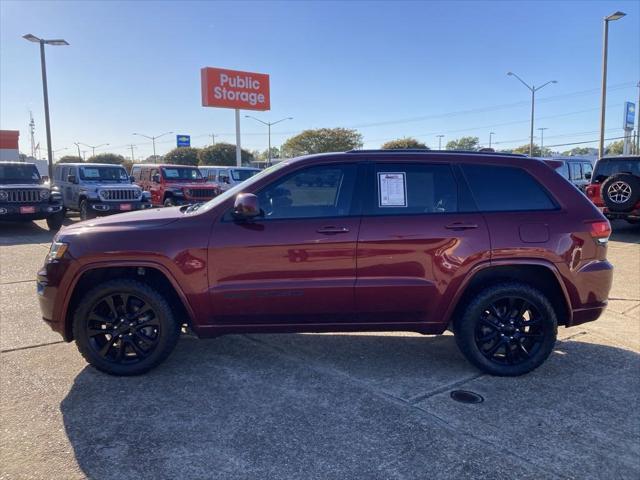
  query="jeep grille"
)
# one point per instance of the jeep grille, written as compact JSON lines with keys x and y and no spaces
{"x":202,"y":193}
{"x":119,"y":194}
{"x":20,"y":196}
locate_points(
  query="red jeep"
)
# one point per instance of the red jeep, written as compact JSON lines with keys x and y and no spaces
{"x":172,"y":185}
{"x":615,"y":187}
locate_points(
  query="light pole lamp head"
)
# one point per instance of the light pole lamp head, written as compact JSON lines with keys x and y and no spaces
{"x":58,"y":42}
{"x":615,"y":16}
{"x":31,"y":38}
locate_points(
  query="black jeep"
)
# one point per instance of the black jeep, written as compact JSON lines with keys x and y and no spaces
{"x":23,"y":196}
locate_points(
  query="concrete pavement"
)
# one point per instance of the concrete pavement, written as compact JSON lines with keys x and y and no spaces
{"x":317,"y":406}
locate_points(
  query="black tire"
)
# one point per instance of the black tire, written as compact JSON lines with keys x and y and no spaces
{"x":632,"y":221}
{"x":54,"y":222}
{"x":621,"y":192}
{"x":129,"y":336}
{"x":507,"y":329}
{"x":86,"y":212}
{"x":168,"y":202}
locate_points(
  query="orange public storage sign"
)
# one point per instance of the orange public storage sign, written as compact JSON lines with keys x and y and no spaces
{"x":234,"y":89}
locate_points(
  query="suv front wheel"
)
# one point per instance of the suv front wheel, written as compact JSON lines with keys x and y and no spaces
{"x":507,"y":329}
{"x":124,"y":327}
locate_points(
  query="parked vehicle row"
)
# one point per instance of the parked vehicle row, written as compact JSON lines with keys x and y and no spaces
{"x":499,"y":248}
{"x":227,"y":177}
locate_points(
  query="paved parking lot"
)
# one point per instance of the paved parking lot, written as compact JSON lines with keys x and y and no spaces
{"x":317,"y":406}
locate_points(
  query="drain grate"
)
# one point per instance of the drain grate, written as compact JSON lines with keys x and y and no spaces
{"x":465,"y":396}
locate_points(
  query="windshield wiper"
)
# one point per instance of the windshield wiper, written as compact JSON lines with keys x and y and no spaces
{"x":193,"y":207}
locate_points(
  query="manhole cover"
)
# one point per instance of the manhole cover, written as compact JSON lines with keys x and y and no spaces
{"x":464,"y":396}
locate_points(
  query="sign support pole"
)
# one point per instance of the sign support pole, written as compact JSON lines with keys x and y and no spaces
{"x":238,"y":147}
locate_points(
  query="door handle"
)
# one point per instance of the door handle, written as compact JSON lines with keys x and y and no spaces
{"x":461,"y":226}
{"x":331,"y":230}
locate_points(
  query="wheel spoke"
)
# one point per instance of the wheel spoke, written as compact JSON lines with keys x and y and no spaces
{"x":139,"y":352}
{"x":112,"y":306}
{"x":488,"y":337}
{"x":492,"y":351}
{"x":107,"y":346}
{"x":523,"y":350}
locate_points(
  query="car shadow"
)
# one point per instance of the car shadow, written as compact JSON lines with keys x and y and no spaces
{"x":27,"y":233}
{"x":625,"y":232}
{"x":345,"y":406}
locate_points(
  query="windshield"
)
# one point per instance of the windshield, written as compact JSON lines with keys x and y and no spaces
{"x":232,"y":192}
{"x":607,"y":167}
{"x":19,"y":174}
{"x":242,"y":175}
{"x":104,"y":174}
{"x":179,"y":173}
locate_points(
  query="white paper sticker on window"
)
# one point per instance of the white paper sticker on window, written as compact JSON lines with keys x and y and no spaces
{"x":392,"y":189}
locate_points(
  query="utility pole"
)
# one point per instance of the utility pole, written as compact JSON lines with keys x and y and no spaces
{"x":153,"y":140}
{"x":439,"y":141}
{"x":542,"y":139}
{"x":213,"y":139}
{"x":491,"y":134}
{"x":268,"y":124}
{"x":638,"y":123}
{"x":133,"y":158}
{"x":77,"y":144}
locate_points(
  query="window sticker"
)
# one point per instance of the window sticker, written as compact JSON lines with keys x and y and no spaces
{"x":392,"y":189}
{"x":91,"y":172}
{"x":171,"y":173}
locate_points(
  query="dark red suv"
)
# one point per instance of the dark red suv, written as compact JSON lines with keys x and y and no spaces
{"x":500,"y":249}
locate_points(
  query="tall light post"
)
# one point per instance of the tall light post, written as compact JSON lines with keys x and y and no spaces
{"x":542,"y":129}
{"x":93,"y":147}
{"x":153,"y":139}
{"x":269,"y":124}
{"x":45,"y":90}
{"x":603,"y":98}
{"x":491,"y":134}
{"x":77,"y":144}
{"x":533,"y":90}
{"x":439,"y":141}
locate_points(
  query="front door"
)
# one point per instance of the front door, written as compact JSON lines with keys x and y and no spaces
{"x":296,"y":264}
{"x":419,"y":235}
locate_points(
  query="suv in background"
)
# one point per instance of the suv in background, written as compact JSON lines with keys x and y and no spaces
{"x":227,"y":177}
{"x":23,"y":196}
{"x":615,"y":187}
{"x":577,"y":170}
{"x":171,"y":185}
{"x":499,"y":248}
{"x":97,"y":189}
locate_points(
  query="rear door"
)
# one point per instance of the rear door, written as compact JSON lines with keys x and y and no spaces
{"x":419,"y":236}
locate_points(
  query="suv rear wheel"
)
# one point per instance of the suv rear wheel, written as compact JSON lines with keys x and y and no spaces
{"x":124,"y":327}
{"x":86,"y":213}
{"x":507,"y":329}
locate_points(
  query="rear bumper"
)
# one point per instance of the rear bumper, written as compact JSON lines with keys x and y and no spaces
{"x":11,"y":212}
{"x":633,"y":214}
{"x":593,"y":284}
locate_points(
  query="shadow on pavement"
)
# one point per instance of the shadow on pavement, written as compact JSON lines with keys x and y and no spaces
{"x":27,"y":233}
{"x":307,"y":407}
{"x":625,"y":232}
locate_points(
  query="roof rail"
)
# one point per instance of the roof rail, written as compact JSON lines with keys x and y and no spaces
{"x":422,"y":150}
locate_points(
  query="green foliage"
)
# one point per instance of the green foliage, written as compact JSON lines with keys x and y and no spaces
{"x":614,"y":148}
{"x":223,"y":154}
{"x":182,"y":156}
{"x":464,"y":143}
{"x":112,"y":158}
{"x":406,"y":142}
{"x":322,"y":140}
{"x":70,"y":159}
{"x":577,"y":151}
{"x":545,"y":152}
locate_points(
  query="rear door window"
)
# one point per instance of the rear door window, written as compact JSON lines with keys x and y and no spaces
{"x":413,"y":188}
{"x":587,"y":170}
{"x":500,"y":189}
{"x":564,"y":170}
{"x":576,"y":171}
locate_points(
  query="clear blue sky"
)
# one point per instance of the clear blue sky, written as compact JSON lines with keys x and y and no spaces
{"x":390,"y":69}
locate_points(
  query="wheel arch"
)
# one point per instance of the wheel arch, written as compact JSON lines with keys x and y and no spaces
{"x":539,"y":274}
{"x":151,"y":274}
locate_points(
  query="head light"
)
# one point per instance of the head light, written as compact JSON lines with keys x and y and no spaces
{"x":44,"y":194}
{"x":104,"y":194}
{"x":57,"y":251}
{"x":3,"y":195}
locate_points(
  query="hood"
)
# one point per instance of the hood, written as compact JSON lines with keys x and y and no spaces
{"x":151,"y":218}
{"x":24,"y":185}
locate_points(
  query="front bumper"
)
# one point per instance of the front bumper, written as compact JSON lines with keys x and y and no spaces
{"x":50,"y":292}
{"x":28,"y":211}
{"x":109,"y":208}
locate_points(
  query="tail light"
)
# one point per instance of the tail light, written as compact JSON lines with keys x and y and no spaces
{"x":591,"y":191}
{"x":600,"y":231}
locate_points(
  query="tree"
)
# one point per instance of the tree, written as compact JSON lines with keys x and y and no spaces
{"x":406,"y":142}
{"x":153,"y":159}
{"x":577,"y":151}
{"x":614,"y":148}
{"x":70,"y":159}
{"x":112,"y":158}
{"x":323,"y":140}
{"x":545,"y":152}
{"x":223,"y":154}
{"x":464,"y":143}
{"x":182,"y":156}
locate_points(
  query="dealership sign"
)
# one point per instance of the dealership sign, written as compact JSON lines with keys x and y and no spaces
{"x":234,"y":89}
{"x":183,"y":140}
{"x":629,"y":115}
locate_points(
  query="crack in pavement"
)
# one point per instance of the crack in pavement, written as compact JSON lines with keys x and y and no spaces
{"x":17,"y":349}
{"x":17,"y":281}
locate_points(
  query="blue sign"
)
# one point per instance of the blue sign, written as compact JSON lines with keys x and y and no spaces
{"x":183,"y":140}
{"x":629,"y":115}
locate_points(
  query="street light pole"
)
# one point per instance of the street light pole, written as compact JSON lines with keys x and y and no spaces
{"x":153,"y":140}
{"x":45,"y":91}
{"x":603,"y":97}
{"x":77,"y":144}
{"x":439,"y":141}
{"x":542,"y":129}
{"x":268,"y":124}
{"x":533,"y":90}
{"x":491,"y":134}
{"x":93,"y":147}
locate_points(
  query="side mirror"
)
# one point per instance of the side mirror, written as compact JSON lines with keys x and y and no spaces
{"x":587,"y":175}
{"x":156,"y":178}
{"x":72,"y":179}
{"x":246,"y":206}
{"x":44,"y":179}
{"x":225,"y":179}
{"x":132,"y":179}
